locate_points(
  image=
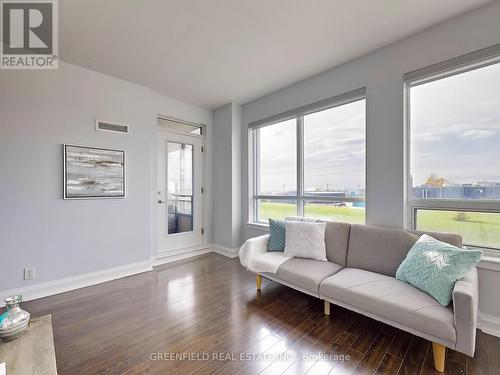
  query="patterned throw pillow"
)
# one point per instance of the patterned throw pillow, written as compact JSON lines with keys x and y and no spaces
{"x":434,"y":266}
{"x":277,"y":235}
{"x":305,"y":240}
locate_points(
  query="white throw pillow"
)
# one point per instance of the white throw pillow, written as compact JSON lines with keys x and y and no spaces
{"x":305,"y":240}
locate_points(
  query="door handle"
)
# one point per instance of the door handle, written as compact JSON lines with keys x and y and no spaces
{"x":160,"y":201}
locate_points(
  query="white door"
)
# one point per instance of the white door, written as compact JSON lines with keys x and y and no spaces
{"x":180,"y":199}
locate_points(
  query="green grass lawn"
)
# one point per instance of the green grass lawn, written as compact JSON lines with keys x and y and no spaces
{"x":476,"y":228}
{"x":482,"y":229}
{"x":282,"y":210}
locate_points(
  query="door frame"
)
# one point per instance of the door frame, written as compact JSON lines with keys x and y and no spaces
{"x":203,"y":138}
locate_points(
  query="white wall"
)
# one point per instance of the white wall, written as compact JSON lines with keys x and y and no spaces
{"x":227,"y":176}
{"x":223,"y":176}
{"x":41,"y":110}
{"x":236,"y":175}
{"x":381,"y":73}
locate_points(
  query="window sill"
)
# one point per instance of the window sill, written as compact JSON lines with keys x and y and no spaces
{"x":258,"y":226}
{"x":490,"y":260}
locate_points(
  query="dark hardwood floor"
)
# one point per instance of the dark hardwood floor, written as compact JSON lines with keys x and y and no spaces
{"x":209,"y":308}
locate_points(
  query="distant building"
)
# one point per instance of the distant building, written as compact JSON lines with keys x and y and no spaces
{"x":466,"y":191}
{"x":317,"y":195}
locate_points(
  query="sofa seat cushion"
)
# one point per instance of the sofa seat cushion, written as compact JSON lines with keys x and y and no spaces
{"x":391,"y":299}
{"x":306,"y":273}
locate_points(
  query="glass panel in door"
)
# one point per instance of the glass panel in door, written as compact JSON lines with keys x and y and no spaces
{"x":179,"y":187}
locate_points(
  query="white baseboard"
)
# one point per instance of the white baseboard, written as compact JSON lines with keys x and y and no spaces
{"x":66,"y":284}
{"x":174,"y":257}
{"x":223,"y":250}
{"x":489,"y":324}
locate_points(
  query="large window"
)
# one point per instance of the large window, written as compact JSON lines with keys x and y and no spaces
{"x":311,"y":163}
{"x":454,"y":178}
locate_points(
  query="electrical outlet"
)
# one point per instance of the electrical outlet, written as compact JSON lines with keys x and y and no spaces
{"x":29,"y":273}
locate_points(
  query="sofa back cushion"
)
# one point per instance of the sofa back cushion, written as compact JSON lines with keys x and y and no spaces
{"x":452,"y":239}
{"x":381,"y":249}
{"x":337,"y":240}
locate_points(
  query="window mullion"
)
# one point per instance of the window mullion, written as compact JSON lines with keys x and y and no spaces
{"x":256,"y":172}
{"x":300,"y":165}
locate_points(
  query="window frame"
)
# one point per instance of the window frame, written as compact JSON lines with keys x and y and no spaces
{"x":473,"y":61}
{"x":300,"y":196}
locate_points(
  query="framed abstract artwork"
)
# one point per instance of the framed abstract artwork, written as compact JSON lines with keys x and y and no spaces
{"x":91,"y":172}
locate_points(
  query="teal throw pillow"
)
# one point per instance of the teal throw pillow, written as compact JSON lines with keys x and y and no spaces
{"x":276,"y":235}
{"x":434,"y":266}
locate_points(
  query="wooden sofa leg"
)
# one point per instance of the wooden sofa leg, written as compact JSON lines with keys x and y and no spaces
{"x":327,"y":308}
{"x":258,"y":281}
{"x":439,"y":352}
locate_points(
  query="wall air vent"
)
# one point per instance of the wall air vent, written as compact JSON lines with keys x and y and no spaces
{"x":110,"y":127}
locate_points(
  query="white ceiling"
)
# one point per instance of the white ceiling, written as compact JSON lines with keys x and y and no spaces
{"x":212,"y":52}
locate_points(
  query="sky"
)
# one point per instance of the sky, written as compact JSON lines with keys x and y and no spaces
{"x":334,"y":148}
{"x":334,"y":151}
{"x":455,"y":128}
{"x":278,"y":157}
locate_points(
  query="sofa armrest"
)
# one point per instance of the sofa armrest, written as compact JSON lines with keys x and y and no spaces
{"x":465,"y":306}
{"x":251,"y":248}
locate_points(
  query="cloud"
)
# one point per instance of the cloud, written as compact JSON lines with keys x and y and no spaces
{"x":462,"y":130}
{"x":286,"y":156}
{"x":428,"y":137}
{"x":478,"y":134}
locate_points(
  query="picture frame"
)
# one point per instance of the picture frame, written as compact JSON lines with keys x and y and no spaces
{"x":93,"y":172}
